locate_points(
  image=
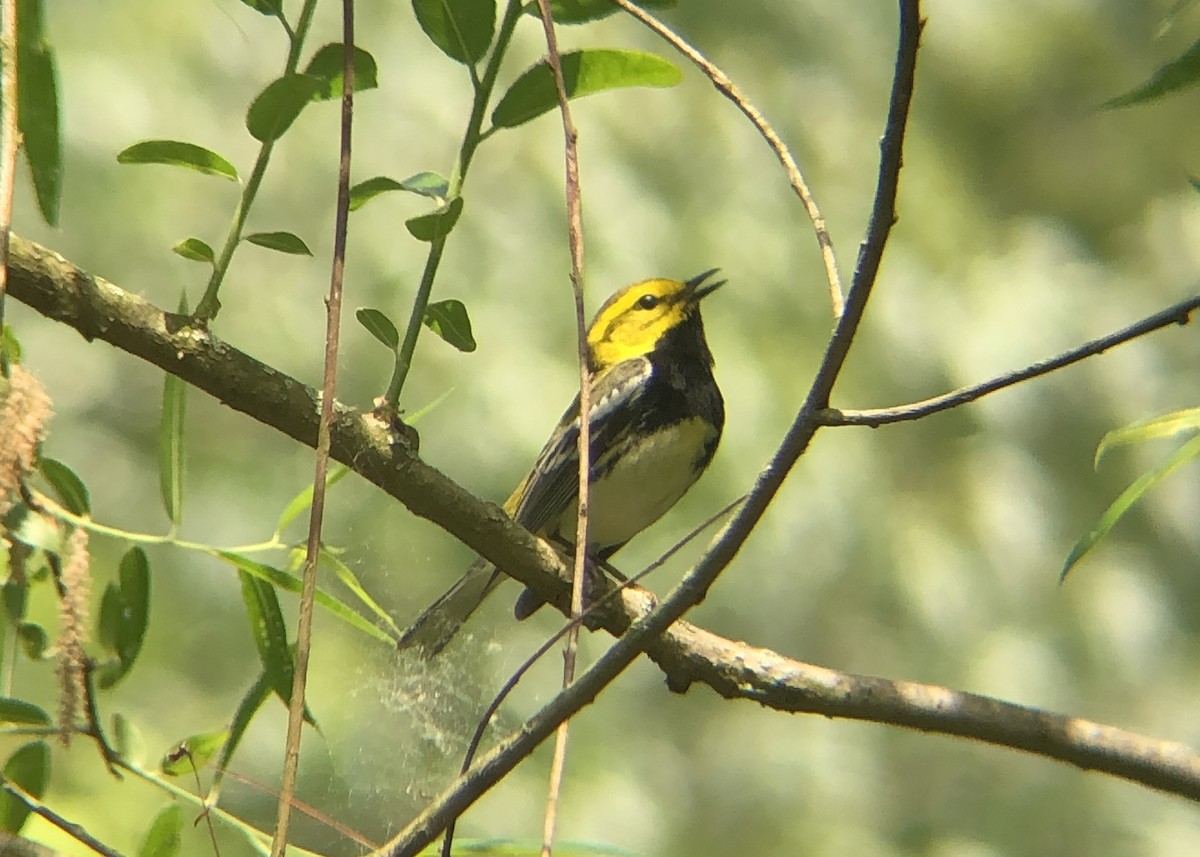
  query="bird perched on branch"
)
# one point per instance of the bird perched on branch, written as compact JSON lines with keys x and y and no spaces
{"x":656,"y":417}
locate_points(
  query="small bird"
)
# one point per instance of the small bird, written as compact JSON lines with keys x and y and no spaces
{"x":656,"y":417}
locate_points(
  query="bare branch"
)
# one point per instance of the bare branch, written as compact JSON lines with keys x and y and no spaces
{"x":727,"y":88}
{"x":1179,"y":313}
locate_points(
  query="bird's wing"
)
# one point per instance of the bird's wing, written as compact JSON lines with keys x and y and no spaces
{"x":553,"y":483}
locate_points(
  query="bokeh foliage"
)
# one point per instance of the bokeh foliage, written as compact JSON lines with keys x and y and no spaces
{"x":1031,"y":220}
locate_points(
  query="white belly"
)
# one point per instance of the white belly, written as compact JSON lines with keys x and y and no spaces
{"x":647,"y":482}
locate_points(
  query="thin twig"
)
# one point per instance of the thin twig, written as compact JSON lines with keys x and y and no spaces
{"x":333,"y":322}
{"x":730,"y":90}
{"x":1179,"y":313}
{"x":76,"y":831}
{"x":584,"y":441}
{"x":8,"y":144}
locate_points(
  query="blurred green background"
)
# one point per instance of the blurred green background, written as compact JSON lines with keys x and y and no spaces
{"x":1030,"y":221}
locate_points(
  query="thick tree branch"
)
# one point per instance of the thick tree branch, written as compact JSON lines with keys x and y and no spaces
{"x":686,"y":654}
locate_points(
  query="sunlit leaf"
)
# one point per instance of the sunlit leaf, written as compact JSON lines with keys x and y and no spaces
{"x":38,"y":109}
{"x":462,"y":29}
{"x":427,"y":184}
{"x":71,"y":491}
{"x":192,"y":753}
{"x":449,"y":320}
{"x":171,"y":447}
{"x":351,"y":582}
{"x":163,"y":838}
{"x":1155,"y":428}
{"x":379,"y":326}
{"x":179,"y":154}
{"x":328,"y":64}
{"x":195,"y":250}
{"x":283,"y":242}
{"x":303,"y":500}
{"x":275,"y":108}
{"x":266,"y":7}
{"x":429,"y":227}
{"x":29,"y":769}
{"x":1129,"y":496}
{"x":584,"y":73}
{"x":10,"y":346}
{"x":1180,"y":73}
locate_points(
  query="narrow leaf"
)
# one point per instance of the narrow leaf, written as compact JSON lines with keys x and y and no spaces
{"x":270,"y":633}
{"x":71,"y":491}
{"x":291,"y":583}
{"x":427,"y":184}
{"x":1180,"y":73}
{"x":196,"y":250}
{"x":178,"y":154}
{"x":112,"y":607}
{"x":242,"y":717}
{"x":379,"y":326}
{"x":170,"y":446}
{"x":462,"y":29}
{"x":284,"y":242}
{"x":20,"y":711}
{"x":429,"y":227}
{"x":192,"y":753}
{"x":38,"y":117}
{"x":584,"y":73}
{"x":28,"y":768}
{"x":163,"y":838}
{"x":351,"y":582}
{"x":134,"y":574}
{"x":275,"y":108}
{"x":1155,"y":428}
{"x":1129,"y":496}
{"x":449,"y":320}
{"x":303,"y":500}
{"x":328,"y":65}
{"x":266,"y":7}
{"x":10,"y":346}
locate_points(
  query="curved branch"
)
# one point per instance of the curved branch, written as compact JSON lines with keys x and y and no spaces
{"x":686,"y":654}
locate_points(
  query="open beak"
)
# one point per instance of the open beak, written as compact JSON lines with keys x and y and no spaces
{"x":697,"y":288}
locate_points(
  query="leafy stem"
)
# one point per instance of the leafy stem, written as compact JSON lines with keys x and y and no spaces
{"x":209,"y":305}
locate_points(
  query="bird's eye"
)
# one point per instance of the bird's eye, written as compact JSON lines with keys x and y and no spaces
{"x":647,"y":301}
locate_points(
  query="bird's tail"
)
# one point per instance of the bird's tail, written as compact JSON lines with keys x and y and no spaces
{"x":436,"y":626}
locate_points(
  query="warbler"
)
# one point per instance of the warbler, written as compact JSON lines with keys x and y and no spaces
{"x":656,"y":417}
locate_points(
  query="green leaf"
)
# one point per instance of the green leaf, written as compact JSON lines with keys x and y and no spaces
{"x":1180,"y":73}
{"x":242,"y":717}
{"x":266,"y":7}
{"x":34,"y":640}
{"x":275,"y":108}
{"x":1155,"y":428}
{"x":196,"y":250}
{"x":582,"y":11}
{"x":270,"y":633}
{"x":38,"y":531}
{"x":584,"y":73}
{"x":38,"y":109}
{"x":1195,"y":183}
{"x":449,"y":320}
{"x":303,"y":500}
{"x":127,"y":739}
{"x":10,"y":346}
{"x":328,"y":63}
{"x":111,"y":608}
{"x":16,"y":598}
{"x":284,"y":242}
{"x":130,"y":603}
{"x":163,"y":838}
{"x":379,"y":326}
{"x":71,"y":491}
{"x":1129,"y":496}
{"x":178,"y":154}
{"x":462,"y":29}
{"x":429,"y":227}
{"x":291,"y":583}
{"x":351,"y":582}
{"x":29,"y":769}
{"x":170,"y":446}
{"x":19,"y":711}
{"x":427,"y":184}
{"x":192,"y":753}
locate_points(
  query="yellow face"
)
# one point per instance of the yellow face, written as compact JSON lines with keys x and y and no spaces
{"x":633,"y":320}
